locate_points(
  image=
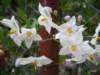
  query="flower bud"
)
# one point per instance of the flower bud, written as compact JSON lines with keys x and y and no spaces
{"x":79,"y":18}
{"x":67,"y":17}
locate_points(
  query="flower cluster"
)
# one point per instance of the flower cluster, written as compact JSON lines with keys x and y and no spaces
{"x":71,"y":39}
{"x":29,"y":35}
{"x":18,"y":35}
{"x":70,"y":36}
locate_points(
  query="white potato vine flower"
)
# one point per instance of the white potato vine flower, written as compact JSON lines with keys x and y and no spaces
{"x":66,"y":30}
{"x":14,"y":29}
{"x":37,"y":61}
{"x":45,"y":18}
{"x":93,"y":41}
{"x":63,"y":37}
{"x":70,"y":27}
{"x":82,"y":58}
{"x":79,"y":49}
{"x":29,"y":35}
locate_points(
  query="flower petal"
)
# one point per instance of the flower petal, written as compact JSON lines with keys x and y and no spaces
{"x":45,"y":11}
{"x":93,"y":41}
{"x":43,"y":60}
{"x":72,"y":21}
{"x":54,"y":25}
{"x":10,"y":23}
{"x":48,"y":28}
{"x":28,"y":42}
{"x":64,"y":51}
{"x":24,"y":61}
{"x":17,"y":39}
{"x":15,"y":23}
{"x":37,"y":37}
{"x":97,"y":29}
{"x":43,"y":20}
{"x":24,"y":30}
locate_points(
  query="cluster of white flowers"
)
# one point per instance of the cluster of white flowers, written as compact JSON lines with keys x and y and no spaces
{"x":71,"y":39}
{"x":19,"y":35}
{"x":69,"y":34}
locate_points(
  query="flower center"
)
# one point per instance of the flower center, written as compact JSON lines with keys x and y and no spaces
{"x":98,"y":38}
{"x":34,"y":62}
{"x":44,"y":18}
{"x":29,"y":34}
{"x":91,"y":57}
{"x":69,"y":30}
{"x":73,"y":47}
{"x":12,"y":31}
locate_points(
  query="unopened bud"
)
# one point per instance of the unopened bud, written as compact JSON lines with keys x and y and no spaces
{"x":79,"y":18}
{"x":67,"y":17}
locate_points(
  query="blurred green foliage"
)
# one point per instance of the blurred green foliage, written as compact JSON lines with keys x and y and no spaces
{"x":26,"y":12}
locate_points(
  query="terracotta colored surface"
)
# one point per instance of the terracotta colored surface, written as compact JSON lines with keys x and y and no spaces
{"x":49,"y":48}
{"x":51,"y":3}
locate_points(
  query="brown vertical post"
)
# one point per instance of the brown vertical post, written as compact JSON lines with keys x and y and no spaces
{"x":49,"y":48}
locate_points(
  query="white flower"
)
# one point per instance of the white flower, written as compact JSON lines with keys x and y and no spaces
{"x":79,"y":49}
{"x":11,"y":23}
{"x":37,"y":61}
{"x":14,"y":29}
{"x":90,"y":57}
{"x":69,"y":27}
{"x":93,"y":41}
{"x":67,"y":30}
{"x":63,"y":37}
{"x":45,"y":19}
{"x":70,"y":46}
{"x":45,"y":11}
{"x":29,"y":35}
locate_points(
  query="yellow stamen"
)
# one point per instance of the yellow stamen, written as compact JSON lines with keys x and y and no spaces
{"x":44,"y":18}
{"x":70,"y":30}
{"x":98,"y":38}
{"x":29,"y":34}
{"x":73,"y":47}
{"x":34,"y":62}
{"x":91,"y":58}
{"x":12,"y":32}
